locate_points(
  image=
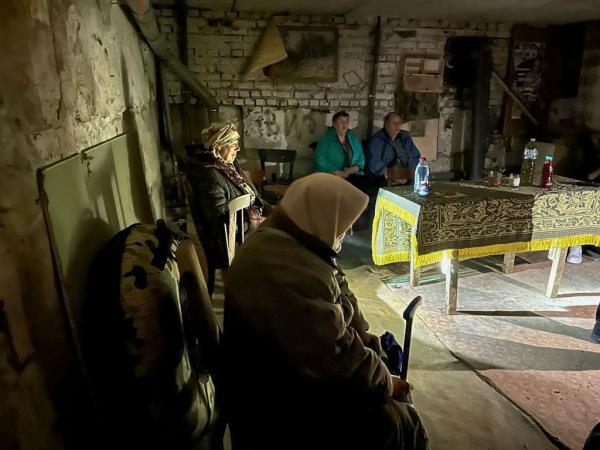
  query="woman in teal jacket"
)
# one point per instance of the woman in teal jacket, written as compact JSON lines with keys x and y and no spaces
{"x":340,"y":152}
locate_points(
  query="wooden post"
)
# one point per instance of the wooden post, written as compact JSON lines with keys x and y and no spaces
{"x":415,"y":272}
{"x":509,"y":263}
{"x":558,"y":256}
{"x":452,"y":283}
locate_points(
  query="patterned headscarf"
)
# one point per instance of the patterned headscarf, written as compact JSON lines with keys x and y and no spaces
{"x":218,"y":135}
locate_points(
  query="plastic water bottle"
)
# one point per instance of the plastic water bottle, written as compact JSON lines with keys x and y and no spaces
{"x":547,"y":173}
{"x":422,"y":177}
{"x":530,"y":154}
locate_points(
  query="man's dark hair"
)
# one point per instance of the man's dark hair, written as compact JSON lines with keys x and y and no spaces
{"x":339,"y":114}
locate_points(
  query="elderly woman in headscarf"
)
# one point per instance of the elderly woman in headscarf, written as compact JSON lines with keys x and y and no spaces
{"x":301,"y":369}
{"x":216,"y":178}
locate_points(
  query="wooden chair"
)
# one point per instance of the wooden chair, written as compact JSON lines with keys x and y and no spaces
{"x":394,"y":173}
{"x":235,"y":207}
{"x":451,"y":175}
{"x":274,"y":191}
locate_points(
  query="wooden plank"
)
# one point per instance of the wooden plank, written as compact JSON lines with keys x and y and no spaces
{"x":106,"y":191}
{"x":509,"y":263}
{"x":514,"y":97}
{"x":559,"y":257}
{"x":452,"y":283}
{"x":438,"y":32}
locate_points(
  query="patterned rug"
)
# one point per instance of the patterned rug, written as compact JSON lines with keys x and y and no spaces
{"x":535,"y":350}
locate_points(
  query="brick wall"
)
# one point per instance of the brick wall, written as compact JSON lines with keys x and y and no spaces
{"x":219,"y":44}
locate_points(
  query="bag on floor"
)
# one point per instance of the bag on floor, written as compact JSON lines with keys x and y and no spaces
{"x":150,"y":342}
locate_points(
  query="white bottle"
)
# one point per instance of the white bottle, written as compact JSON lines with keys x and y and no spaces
{"x":422,"y":177}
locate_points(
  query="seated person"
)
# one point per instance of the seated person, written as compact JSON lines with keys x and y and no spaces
{"x":216,"y":178}
{"x":392,"y":148}
{"x":301,"y":369}
{"x":339,"y":151}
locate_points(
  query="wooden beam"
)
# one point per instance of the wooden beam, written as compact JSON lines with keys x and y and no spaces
{"x":512,"y":95}
{"x":453,"y":32}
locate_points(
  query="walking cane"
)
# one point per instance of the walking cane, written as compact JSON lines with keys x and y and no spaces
{"x":408,"y":315}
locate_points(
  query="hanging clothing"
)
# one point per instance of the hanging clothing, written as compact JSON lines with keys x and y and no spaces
{"x":414,"y":106}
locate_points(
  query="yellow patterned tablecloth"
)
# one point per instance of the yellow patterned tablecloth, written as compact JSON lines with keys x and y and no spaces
{"x":475,"y":220}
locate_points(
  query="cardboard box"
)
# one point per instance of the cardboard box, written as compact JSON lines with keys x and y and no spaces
{"x":423,"y":75}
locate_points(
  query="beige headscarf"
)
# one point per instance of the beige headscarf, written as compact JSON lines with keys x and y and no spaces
{"x":324,"y":206}
{"x":219,"y":135}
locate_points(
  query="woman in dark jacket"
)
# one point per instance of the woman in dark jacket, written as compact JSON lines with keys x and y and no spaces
{"x":216,"y":178}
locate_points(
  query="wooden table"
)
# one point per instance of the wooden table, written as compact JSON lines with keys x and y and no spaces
{"x":458,"y":221}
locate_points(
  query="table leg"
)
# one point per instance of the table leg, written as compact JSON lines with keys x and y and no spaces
{"x":415,"y":272}
{"x":558,"y":256}
{"x":509,"y":263}
{"x":452,"y":284}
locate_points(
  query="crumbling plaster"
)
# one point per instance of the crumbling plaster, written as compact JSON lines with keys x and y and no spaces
{"x":74,"y":74}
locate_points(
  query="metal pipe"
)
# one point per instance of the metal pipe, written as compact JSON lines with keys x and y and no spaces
{"x":480,"y":102}
{"x":143,"y":13}
{"x":373,"y":80}
{"x":182,"y":17}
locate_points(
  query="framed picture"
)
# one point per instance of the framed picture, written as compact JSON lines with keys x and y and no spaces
{"x":312,"y":55}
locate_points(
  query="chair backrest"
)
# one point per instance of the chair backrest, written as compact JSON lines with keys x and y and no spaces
{"x":279,"y":156}
{"x":451,"y":175}
{"x":235,"y":208}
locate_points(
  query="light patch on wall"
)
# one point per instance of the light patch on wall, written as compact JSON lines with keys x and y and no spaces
{"x":293,"y":128}
{"x":264,"y":128}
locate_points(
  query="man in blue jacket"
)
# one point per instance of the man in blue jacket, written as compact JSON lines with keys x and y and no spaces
{"x":390,"y":148}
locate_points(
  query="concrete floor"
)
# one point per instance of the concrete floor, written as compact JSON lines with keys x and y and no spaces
{"x":459,"y":409}
{"x":489,"y":378}
{"x":532,"y":350}
{"x":536,"y":351}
